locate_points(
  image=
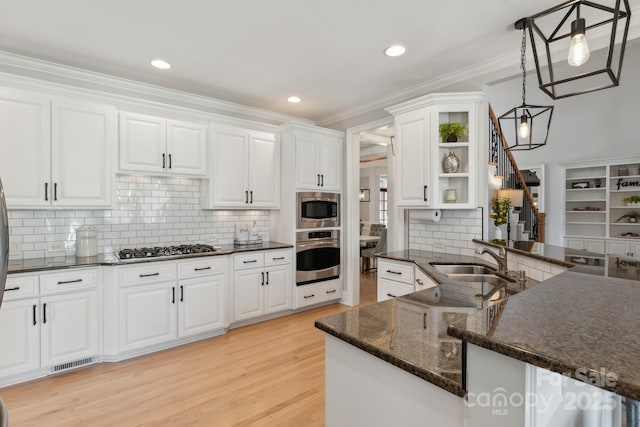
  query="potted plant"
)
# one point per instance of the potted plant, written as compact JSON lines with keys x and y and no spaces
{"x":632,"y":216}
{"x":450,"y":132}
{"x":499,"y":214}
{"x":631,"y":200}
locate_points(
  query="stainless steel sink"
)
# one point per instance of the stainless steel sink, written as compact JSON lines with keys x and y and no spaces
{"x":465,"y":269}
{"x":490,"y":279}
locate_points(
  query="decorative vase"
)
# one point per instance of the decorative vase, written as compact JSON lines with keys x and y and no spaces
{"x":497,"y":232}
{"x":452,"y":138}
{"x":451,"y":163}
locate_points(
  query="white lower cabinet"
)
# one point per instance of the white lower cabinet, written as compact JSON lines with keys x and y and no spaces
{"x":624,"y":249}
{"x":48,"y":319}
{"x":201,"y":306}
{"x":396,"y":278}
{"x":318,"y":292}
{"x":262,"y":283}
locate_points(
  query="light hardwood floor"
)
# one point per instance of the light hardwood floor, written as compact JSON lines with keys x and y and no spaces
{"x":267,"y":374}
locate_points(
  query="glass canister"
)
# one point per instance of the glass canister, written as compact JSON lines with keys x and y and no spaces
{"x":451,"y":163}
{"x":450,"y":195}
{"x":86,"y":241}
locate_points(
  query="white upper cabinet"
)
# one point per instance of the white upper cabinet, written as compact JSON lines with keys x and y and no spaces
{"x":245,"y":170}
{"x":56,"y":152}
{"x":83,"y":136}
{"x":159,"y":146}
{"x":318,"y":162}
{"x":421,"y":178}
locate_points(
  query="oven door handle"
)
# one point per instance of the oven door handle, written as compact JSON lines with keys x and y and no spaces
{"x":314,"y":245}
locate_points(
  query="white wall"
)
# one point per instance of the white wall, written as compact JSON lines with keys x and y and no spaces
{"x":369,"y":178}
{"x":589,"y":127}
{"x":151,"y":211}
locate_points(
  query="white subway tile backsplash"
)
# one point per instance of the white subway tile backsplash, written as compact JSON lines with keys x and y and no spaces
{"x":456,"y":229}
{"x":145,"y":211}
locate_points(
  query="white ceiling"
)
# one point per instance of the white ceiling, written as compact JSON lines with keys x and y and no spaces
{"x":258,"y":52}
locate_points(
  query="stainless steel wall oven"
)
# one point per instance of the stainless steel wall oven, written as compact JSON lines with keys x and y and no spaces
{"x":317,"y":256}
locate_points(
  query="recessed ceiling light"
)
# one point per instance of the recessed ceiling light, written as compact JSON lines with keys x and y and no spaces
{"x":395,"y":50}
{"x":294,"y":99}
{"x":161,"y":64}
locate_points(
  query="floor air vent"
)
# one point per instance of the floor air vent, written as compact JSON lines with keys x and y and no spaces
{"x":71,"y":365}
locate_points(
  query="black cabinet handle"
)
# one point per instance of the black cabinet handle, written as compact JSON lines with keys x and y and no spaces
{"x":246,"y":196}
{"x":202,"y":268}
{"x":181,"y":293}
{"x":318,"y":180}
{"x":309,"y":296}
{"x":34,"y":315}
{"x":267,"y":277}
{"x":332,"y":291}
{"x":46,"y":191}
{"x":44,"y":313}
{"x":250,"y":261}
{"x":322,"y":180}
{"x":17,"y":288}
{"x":251,"y":194}
{"x":262,"y":284}
{"x":150,"y":275}
{"x":419,"y":282}
{"x":163,"y":161}
{"x":425,"y":193}
{"x":55,"y":191}
{"x":173,"y":295}
{"x":391,"y":295}
{"x":66,"y":282}
{"x":394,"y":272}
{"x":169,"y":161}
{"x":277,"y":258}
{"x":424,"y":320}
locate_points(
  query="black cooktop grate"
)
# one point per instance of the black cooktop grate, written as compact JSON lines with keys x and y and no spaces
{"x":159,"y":251}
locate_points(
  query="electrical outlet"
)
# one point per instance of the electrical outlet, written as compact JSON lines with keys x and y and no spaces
{"x":438,"y":244}
{"x":55,"y":247}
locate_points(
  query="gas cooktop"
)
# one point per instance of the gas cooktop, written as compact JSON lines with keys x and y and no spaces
{"x":163,"y":251}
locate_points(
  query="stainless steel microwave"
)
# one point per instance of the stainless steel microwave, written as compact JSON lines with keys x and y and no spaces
{"x":318,"y":210}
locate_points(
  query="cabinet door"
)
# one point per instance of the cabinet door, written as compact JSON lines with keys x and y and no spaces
{"x":278,"y":288}
{"x":83,"y":139}
{"x":69,"y":328}
{"x":142,"y":143}
{"x":330,"y":163}
{"x":201,"y":307}
{"x":147,"y":315}
{"x":615,"y":247}
{"x":186,"y":148}
{"x":264,"y":171}
{"x":634,"y":250}
{"x":20,"y":337}
{"x":411,"y":160}
{"x":307,"y":174}
{"x":230,"y":168}
{"x":25,"y":142}
{"x":248,"y":294}
{"x":594,"y":245}
{"x":573,"y":243}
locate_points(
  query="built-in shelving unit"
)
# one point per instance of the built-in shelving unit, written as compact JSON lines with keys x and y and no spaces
{"x":598,"y":202}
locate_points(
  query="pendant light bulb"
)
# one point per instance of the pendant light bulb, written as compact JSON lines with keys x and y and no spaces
{"x":578,"y":49}
{"x":523,"y":129}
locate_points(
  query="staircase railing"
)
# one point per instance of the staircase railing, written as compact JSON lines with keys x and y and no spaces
{"x":508,"y":168}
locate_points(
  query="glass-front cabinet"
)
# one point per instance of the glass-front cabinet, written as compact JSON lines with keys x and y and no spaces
{"x":436,"y":151}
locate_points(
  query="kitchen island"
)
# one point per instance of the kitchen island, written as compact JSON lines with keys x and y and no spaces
{"x":572,"y":323}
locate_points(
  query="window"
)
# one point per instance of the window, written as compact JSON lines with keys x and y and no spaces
{"x":383,"y":199}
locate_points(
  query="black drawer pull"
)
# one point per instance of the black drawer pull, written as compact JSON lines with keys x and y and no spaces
{"x":309,"y":296}
{"x":44,"y":313}
{"x":425,"y":193}
{"x":251,"y":196}
{"x":278,"y":258}
{"x":267,"y":278}
{"x":150,"y":275}
{"x":181,"y":293}
{"x":17,"y":288}
{"x":169,"y":161}
{"x":173,"y":295}
{"x":332,"y":291}
{"x":66,"y":282}
{"x":392,"y":295}
{"x":202,"y":268}
{"x":322,"y":180}
{"x":262,"y":284}
{"x":250,"y":262}
{"x":246,"y":196}
{"x":419,"y":282}
{"x":55,"y":191}
{"x":394,"y":272}
{"x":163,"y":161}
{"x":46,"y":191}
{"x":34,"y":315}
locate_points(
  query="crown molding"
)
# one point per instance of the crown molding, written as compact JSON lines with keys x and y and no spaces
{"x":36,"y":69}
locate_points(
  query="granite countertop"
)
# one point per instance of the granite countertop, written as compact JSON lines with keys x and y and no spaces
{"x":39,"y":264}
{"x":410,"y":331}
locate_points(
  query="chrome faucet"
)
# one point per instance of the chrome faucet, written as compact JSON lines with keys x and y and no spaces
{"x":501,"y":257}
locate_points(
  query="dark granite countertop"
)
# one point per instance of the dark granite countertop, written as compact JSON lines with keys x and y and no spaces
{"x":410,"y":331}
{"x":29,"y":265}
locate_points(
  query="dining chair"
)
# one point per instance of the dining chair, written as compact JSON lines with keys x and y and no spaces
{"x":368,"y":254}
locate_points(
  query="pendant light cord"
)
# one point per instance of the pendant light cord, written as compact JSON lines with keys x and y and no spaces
{"x":523,"y":53}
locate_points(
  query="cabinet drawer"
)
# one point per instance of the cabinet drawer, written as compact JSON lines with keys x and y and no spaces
{"x":399,"y":271}
{"x":68,"y":280}
{"x":313,"y":294}
{"x":248,"y":260}
{"x":423,"y":280}
{"x":205,"y":266}
{"x":390,"y":289}
{"x":21,"y":286}
{"x":153,"y":272}
{"x":277,"y":257}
